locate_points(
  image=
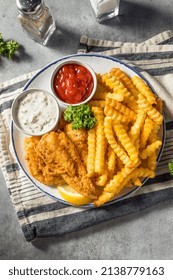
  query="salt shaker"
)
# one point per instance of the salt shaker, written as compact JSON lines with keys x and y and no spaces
{"x":36,"y":20}
{"x":105,"y":9}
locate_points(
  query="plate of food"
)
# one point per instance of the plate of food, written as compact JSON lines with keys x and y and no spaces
{"x":109,"y":136}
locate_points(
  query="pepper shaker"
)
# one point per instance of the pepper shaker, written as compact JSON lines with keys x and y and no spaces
{"x":36,"y":20}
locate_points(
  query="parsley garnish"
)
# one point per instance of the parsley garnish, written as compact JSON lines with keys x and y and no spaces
{"x":81,"y":116}
{"x":170,"y":165}
{"x":8,"y":48}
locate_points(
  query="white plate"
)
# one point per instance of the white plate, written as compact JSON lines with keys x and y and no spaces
{"x":41,"y":80}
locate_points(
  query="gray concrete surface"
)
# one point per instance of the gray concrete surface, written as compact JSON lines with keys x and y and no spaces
{"x":145,"y":235}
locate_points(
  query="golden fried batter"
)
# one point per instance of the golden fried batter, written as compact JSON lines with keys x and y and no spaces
{"x":37,"y":167}
{"x":55,"y":152}
{"x":79,"y":138}
{"x":62,"y":156}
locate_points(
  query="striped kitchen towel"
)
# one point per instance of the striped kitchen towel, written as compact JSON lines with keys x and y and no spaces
{"x":39,"y":215}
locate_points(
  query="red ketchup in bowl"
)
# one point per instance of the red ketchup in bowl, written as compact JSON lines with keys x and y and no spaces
{"x":73,"y":83}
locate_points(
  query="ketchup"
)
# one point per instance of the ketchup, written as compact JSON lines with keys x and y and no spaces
{"x":73,"y":83}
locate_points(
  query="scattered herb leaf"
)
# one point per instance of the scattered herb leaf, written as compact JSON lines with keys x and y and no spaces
{"x":8,"y":48}
{"x":81,"y":116}
{"x":170,"y":165}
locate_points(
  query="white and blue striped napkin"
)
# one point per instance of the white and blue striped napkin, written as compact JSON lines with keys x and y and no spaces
{"x":39,"y":215}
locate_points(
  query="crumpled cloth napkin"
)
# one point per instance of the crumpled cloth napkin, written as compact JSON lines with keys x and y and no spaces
{"x":39,"y":215}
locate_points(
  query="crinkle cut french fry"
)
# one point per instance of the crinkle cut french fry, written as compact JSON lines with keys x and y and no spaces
{"x":146,"y":107}
{"x":120,"y":152}
{"x":145,"y":133}
{"x":101,"y":90}
{"x":114,"y":185}
{"x":137,"y":126}
{"x":123,"y":77}
{"x":102,"y":179}
{"x":129,"y":97}
{"x":152,"y":161}
{"x":99,"y":95}
{"x":115,"y":115}
{"x":117,"y":87}
{"x":100,"y":140}
{"x":120,"y":107}
{"x":154,"y":134}
{"x":91,"y":152}
{"x":119,"y":181}
{"x":120,"y":89}
{"x":126,"y":142}
{"x":118,"y":95}
{"x":159,"y":105}
{"x":101,"y":86}
{"x":136,"y":182}
{"x":144,"y":89}
{"x":140,"y":172}
{"x":137,"y":144}
{"x":97,"y":103}
{"x":103,"y":198}
{"x":111,"y":161}
{"x":150,"y":149}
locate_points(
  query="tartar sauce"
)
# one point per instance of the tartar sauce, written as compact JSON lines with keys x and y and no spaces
{"x":37,"y":112}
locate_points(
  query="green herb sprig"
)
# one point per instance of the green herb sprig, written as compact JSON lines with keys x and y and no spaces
{"x":81,"y":116}
{"x":170,"y":165}
{"x":8,"y":48}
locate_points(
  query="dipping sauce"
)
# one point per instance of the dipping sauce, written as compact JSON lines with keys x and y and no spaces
{"x":73,"y":83}
{"x":36,"y":112}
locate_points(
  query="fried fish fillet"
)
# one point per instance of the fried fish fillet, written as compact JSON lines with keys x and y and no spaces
{"x":55,"y":152}
{"x":37,"y":167}
{"x":62,"y":156}
{"x":79,"y":138}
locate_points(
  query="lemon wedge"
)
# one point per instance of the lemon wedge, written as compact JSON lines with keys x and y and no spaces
{"x":71,"y":196}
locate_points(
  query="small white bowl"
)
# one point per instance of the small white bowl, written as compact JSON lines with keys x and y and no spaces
{"x":35,"y":112}
{"x":88,"y":67}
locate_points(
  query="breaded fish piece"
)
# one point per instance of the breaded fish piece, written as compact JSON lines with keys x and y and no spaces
{"x":62,"y":156}
{"x":79,"y":138}
{"x":54,"y":150}
{"x":37,"y":167}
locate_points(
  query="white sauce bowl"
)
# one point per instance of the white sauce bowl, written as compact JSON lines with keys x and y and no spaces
{"x":35,"y":112}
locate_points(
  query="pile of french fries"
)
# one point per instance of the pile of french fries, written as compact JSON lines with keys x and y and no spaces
{"x":124,"y":144}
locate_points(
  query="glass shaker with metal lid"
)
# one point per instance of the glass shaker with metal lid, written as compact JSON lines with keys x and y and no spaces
{"x":36,"y":20}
